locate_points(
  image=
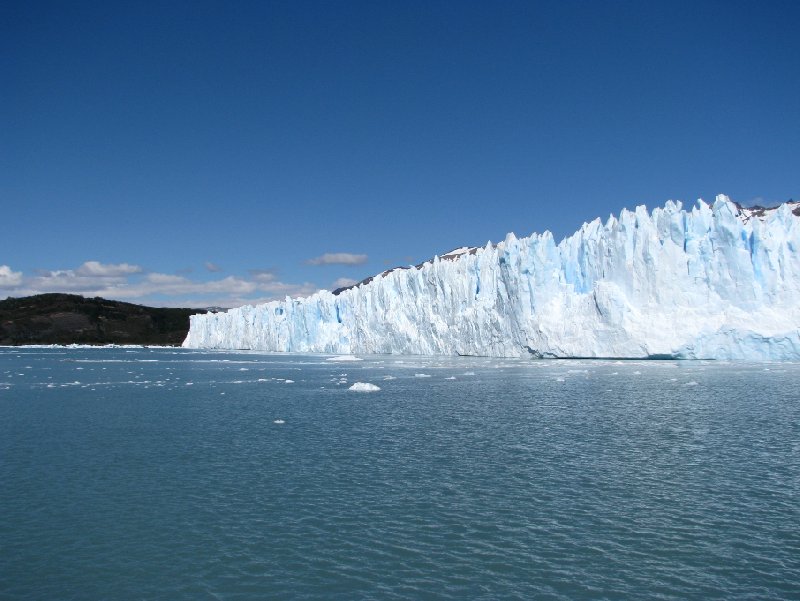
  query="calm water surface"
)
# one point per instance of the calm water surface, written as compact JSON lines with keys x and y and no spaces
{"x":161,"y":474}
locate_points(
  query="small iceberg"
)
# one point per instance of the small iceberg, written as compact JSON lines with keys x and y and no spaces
{"x":279,"y":421}
{"x":344,"y":358}
{"x":364,"y":387}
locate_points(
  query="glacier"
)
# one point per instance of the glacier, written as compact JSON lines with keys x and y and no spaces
{"x":719,"y":281}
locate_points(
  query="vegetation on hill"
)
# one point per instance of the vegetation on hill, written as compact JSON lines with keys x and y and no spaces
{"x":72,"y":319}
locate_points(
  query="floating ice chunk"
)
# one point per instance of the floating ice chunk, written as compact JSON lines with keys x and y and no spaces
{"x":279,"y":421}
{"x":364,"y":387}
{"x":692,"y":383}
{"x":389,"y":378}
{"x":451,"y":378}
{"x":288,"y":382}
{"x":344,"y":358}
{"x":422,"y":375}
{"x":469,"y":373}
{"x":560,"y":380}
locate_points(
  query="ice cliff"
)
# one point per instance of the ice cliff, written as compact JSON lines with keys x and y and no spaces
{"x":717,"y":282}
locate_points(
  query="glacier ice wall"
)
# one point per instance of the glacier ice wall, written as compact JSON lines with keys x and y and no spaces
{"x":716,"y":282}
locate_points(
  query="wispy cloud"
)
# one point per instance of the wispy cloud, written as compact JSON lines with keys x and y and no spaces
{"x":107,"y":270}
{"x":263,"y":275}
{"x":343,"y":283}
{"x":231,"y":287}
{"x":338,"y":259}
{"x":66,"y":280}
{"x":131,"y":283}
{"x":213,"y":267}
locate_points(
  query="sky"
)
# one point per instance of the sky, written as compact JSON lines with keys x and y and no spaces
{"x":223,"y":153}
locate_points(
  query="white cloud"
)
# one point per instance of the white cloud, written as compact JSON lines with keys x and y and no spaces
{"x":67,"y":280}
{"x":229,"y":291}
{"x":160,"y":289}
{"x":338,"y":259}
{"x":344,"y":283}
{"x":104,"y":270}
{"x":263,"y":275}
{"x":8,"y":278}
{"x":213,"y":267}
{"x":166,"y":279}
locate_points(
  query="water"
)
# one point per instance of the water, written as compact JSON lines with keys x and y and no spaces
{"x":162,"y":474}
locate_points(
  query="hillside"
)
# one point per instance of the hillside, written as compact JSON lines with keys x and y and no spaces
{"x":72,"y":319}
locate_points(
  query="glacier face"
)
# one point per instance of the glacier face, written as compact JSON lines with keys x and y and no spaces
{"x":713,"y":282}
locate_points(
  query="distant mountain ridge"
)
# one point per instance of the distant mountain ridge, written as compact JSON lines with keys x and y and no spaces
{"x":57,"y":318}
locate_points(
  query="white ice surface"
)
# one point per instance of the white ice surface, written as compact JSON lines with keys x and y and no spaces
{"x":713,"y":282}
{"x":364,"y":387}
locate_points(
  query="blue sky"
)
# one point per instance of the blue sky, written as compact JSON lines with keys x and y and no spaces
{"x":217,"y":153}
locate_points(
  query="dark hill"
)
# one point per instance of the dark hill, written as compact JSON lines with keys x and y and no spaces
{"x":72,"y":319}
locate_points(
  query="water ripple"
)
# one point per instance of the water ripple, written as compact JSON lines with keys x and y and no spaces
{"x":506,"y":484}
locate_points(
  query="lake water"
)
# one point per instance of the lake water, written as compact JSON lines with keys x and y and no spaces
{"x":162,"y":474}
